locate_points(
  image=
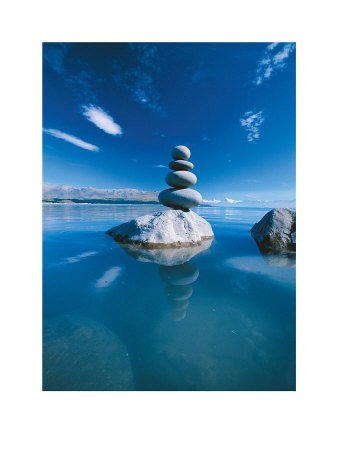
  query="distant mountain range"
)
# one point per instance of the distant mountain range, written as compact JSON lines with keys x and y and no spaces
{"x":61,"y":193}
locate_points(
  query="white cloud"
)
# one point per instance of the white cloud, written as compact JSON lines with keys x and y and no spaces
{"x":251,"y":121}
{"x":272,"y":45}
{"x":101,"y":119}
{"x":108,"y":277}
{"x":273,"y":59}
{"x":77,"y":258}
{"x":211,"y":201}
{"x":230,"y":200}
{"x":161,"y":166}
{"x":72,"y":139}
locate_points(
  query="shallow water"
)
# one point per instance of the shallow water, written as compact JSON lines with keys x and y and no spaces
{"x":225,"y":320}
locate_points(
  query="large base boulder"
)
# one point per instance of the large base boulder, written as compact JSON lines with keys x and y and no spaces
{"x":276,"y":230}
{"x":167,"y":229}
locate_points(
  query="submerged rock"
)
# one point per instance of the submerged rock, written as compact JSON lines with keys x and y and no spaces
{"x":167,"y":229}
{"x":276,"y":230}
{"x":80,"y":354}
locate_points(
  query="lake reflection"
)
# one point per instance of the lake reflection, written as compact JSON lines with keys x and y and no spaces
{"x":221,"y":318}
{"x":178,"y":290}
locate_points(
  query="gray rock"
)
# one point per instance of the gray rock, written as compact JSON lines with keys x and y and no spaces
{"x":180,"y":198}
{"x":181,"y":179}
{"x":180,"y":164}
{"x":180,"y":152}
{"x":167,"y":229}
{"x":276,"y":230}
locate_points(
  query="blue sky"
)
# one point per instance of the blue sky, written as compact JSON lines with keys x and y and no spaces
{"x":112,"y":112}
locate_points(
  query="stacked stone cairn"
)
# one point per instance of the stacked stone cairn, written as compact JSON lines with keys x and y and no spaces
{"x":181,"y":179}
{"x":175,"y":227}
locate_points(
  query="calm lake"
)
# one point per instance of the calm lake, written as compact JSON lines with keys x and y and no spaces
{"x":225,"y":320}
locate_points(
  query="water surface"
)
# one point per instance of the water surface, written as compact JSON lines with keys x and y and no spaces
{"x":225,"y":320}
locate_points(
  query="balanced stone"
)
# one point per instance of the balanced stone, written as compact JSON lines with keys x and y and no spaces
{"x":181,"y":179}
{"x":180,"y":152}
{"x":179,"y":227}
{"x":180,"y":198}
{"x":180,"y":164}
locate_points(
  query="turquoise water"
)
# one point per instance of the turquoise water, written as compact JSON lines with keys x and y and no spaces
{"x":225,"y":320}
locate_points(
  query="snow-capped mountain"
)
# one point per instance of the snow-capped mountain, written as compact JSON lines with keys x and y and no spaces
{"x":62,"y":191}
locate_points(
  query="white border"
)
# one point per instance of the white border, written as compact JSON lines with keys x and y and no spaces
{"x":238,"y":420}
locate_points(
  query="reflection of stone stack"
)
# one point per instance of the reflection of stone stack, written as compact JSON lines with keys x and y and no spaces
{"x":178,"y":289}
{"x":180,"y":197}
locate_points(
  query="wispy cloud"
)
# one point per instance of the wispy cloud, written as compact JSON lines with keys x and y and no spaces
{"x":205,"y":139}
{"x":77,"y":258}
{"x":138,"y":79}
{"x":108,"y":277}
{"x":54,"y":55}
{"x":160,"y":166}
{"x":72,"y":139}
{"x":252,"y":121}
{"x":74,"y":71}
{"x":135,"y":72}
{"x":211,"y":201}
{"x":230,"y":200}
{"x":101,"y":119}
{"x":274,"y":58}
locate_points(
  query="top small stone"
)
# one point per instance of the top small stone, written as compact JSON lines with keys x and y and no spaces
{"x":180,"y":152}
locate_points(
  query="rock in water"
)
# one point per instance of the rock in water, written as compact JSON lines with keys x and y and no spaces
{"x":276,"y":230}
{"x":172,"y":228}
{"x":180,"y":198}
{"x":181,"y":179}
{"x":180,"y":164}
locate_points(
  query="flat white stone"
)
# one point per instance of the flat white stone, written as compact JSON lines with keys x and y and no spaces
{"x":180,"y":164}
{"x":180,"y":152}
{"x":181,"y":179}
{"x":167,"y":229}
{"x":276,"y":230}
{"x":180,"y":198}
